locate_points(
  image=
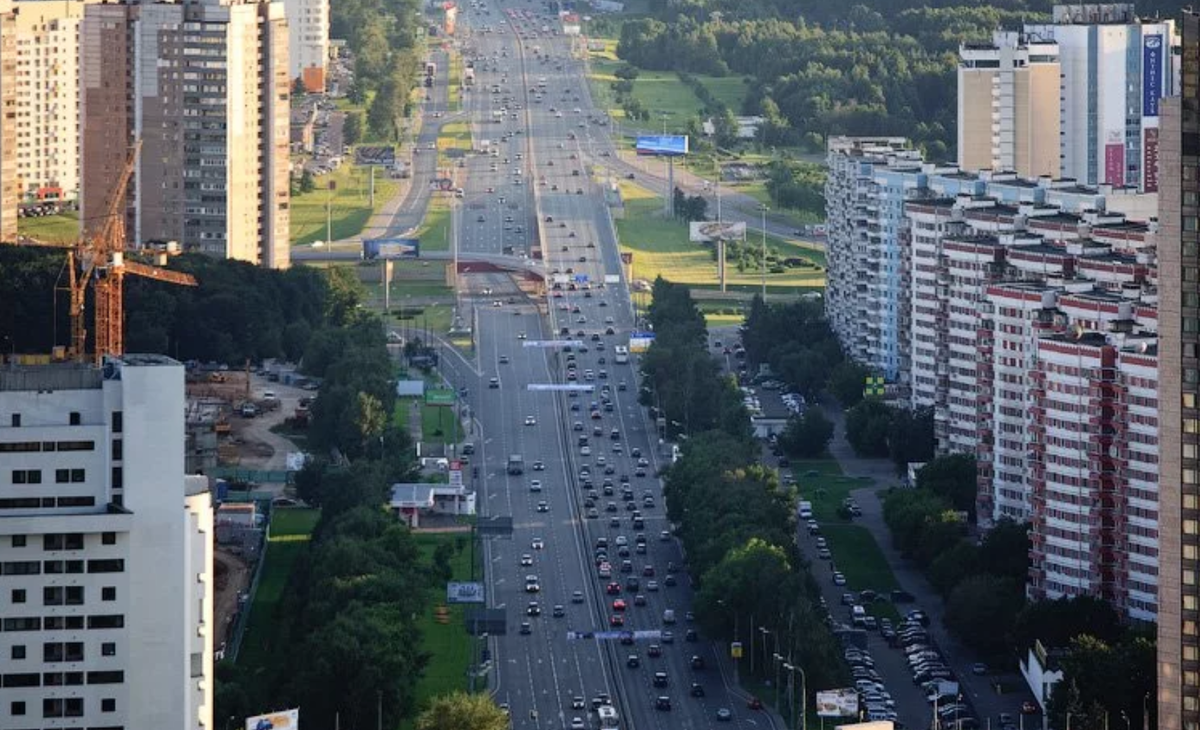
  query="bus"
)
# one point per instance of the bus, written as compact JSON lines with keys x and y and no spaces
{"x":620,"y":354}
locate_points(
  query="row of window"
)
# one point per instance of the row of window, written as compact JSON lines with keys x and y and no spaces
{"x":34,"y":567}
{"x":64,"y":595}
{"x":28,"y":447}
{"x":64,"y":707}
{"x":56,"y":623}
{"x":50,"y":502}
{"x":63,"y":540}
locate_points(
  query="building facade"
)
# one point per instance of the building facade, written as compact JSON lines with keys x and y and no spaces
{"x":47,"y":125}
{"x":1008,"y":105}
{"x":211,"y":106}
{"x":106,"y":550}
{"x":1179,"y":438}
{"x":1115,"y":69}
{"x":308,"y":31}
{"x":8,"y":122}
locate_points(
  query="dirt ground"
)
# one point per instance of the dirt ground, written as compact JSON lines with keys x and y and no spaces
{"x":232,"y":577}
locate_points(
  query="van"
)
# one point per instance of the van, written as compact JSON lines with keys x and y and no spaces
{"x":669,"y":616}
{"x":805,"y":510}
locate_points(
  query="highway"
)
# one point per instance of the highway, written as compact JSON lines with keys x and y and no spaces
{"x":538,"y":179}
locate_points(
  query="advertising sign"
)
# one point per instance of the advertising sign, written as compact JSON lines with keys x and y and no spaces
{"x":1152,"y":70}
{"x":451,"y":11}
{"x":372,"y":155}
{"x":704,"y":231}
{"x":391,"y":248}
{"x":456,"y":474}
{"x":671,"y":145}
{"x":566,"y":388}
{"x":735,"y":650}
{"x":581,"y":278}
{"x":612,"y":278}
{"x":837,"y":703}
{"x":282,"y":720}
{"x":464,"y":592}
{"x":439,"y":397}
{"x":1114,"y":163}
{"x":552,"y":344}
{"x":1150,"y":160}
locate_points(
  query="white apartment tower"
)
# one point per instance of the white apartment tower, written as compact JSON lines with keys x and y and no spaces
{"x":105,"y":550}
{"x":1115,"y":69}
{"x":8,"y":122}
{"x":308,"y":41}
{"x":1008,"y":107}
{"x":47,"y":105}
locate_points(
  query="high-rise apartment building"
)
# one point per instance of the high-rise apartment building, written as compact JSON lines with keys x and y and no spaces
{"x":47,"y":126}
{"x":308,"y":30}
{"x":8,"y":122}
{"x":1115,"y":68}
{"x":1179,"y":385}
{"x":209,"y":98}
{"x":1008,"y":107}
{"x":105,"y":550}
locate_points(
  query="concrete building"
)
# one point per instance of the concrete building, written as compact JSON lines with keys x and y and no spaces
{"x":1115,"y":68}
{"x":8,"y":122}
{"x":210,"y":102}
{"x":308,"y":39}
{"x":1008,"y":107}
{"x":106,"y":549}
{"x":47,"y":99}
{"x":1179,"y":387}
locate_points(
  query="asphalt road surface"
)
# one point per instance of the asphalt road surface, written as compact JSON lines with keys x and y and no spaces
{"x":538,"y":674}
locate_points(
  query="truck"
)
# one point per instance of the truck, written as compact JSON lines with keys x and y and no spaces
{"x":430,"y":68}
{"x":516,"y":464}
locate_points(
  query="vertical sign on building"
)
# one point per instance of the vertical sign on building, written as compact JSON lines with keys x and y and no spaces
{"x":1150,"y":160}
{"x":1152,"y":71}
{"x":1114,"y":159}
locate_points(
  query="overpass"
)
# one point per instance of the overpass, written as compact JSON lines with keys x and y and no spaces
{"x":467,"y":263}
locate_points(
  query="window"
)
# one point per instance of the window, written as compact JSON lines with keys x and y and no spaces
{"x":63,"y":623}
{"x":108,"y":648}
{"x":77,"y":476}
{"x":108,"y":704}
{"x":115,"y":565}
{"x":52,"y":596}
{"x":24,"y":623}
{"x":62,"y":476}
{"x":18,"y":651}
{"x":75,"y":419}
{"x":18,"y":541}
{"x":18,"y":595}
{"x":17,"y":708}
{"x":74,"y":596}
{"x":118,"y":450}
{"x":113,"y":677}
{"x":118,"y":478}
{"x":63,"y":541}
{"x":118,"y":421}
{"x":118,"y":500}
{"x":16,"y":420}
{"x":27,"y":476}
{"x":108,"y":538}
{"x":107,"y":621}
{"x":28,"y":679}
{"x":108,"y":593}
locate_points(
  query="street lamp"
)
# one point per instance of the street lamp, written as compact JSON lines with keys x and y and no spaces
{"x":778,"y":661}
{"x":803,"y":723}
{"x":764,"y":632}
{"x":763,"y":210}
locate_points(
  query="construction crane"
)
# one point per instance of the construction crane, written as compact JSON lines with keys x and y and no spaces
{"x":99,"y":259}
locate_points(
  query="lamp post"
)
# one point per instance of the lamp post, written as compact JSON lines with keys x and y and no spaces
{"x":763,"y":210}
{"x":778,"y":661}
{"x":764,"y":632}
{"x":803,"y":722}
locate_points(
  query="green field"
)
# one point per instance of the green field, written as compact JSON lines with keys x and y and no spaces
{"x":437,"y":424}
{"x":291,"y":529}
{"x":660,"y":246}
{"x":434,"y":230}
{"x":51,"y":228}
{"x":453,"y":142}
{"x":448,"y":644}
{"x":349,"y":203}
{"x":858,"y":556}
{"x":826,"y":488}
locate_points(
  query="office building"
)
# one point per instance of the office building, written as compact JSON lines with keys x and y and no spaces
{"x":1115,"y":68}
{"x":210,"y":103}
{"x":47,"y":126}
{"x":1008,"y":106}
{"x":8,"y":122}
{"x":105,"y":550}
{"x":308,"y":33}
{"x":1179,"y":383}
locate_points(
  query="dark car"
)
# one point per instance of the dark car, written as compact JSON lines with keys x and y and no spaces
{"x":697,"y":689}
{"x":697,"y":661}
{"x":663,"y":704}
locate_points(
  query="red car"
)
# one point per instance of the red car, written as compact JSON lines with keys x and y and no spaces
{"x":616,"y":620}
{"x":618,"y":605}
{"x":613,"y":589}
{"x":754,"y":703}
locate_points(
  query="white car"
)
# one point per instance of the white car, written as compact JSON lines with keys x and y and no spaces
{"x":535,"y":485}
{"x":577,"y":723}
{"x":585,"y":451}
{"x":530,"y":421}
{"x":538,"y":543}
{"x":526,"y":560}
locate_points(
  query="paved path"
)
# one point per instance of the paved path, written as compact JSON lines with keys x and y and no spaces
{"x":979,"y":690}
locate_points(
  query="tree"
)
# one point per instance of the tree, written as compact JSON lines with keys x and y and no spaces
{"x":1104,"y":679}
{"x":911,"y":439}
{"x":462,"y":711}
{"x":1005,"y":550}
{"x":846,"y":383}
{"x":867,"y":428}
{"x":442,"y":568}
{"x":307,"y":184}
{"x":807,"y":436}
{"x":352,"y":128}
{"x":1056,"y":623}
{"x":981,"y":611}
{"x":951,"y":567}
{"x":953,"y":478}
{"x":627,"y":72}
{"x":298,"y":89}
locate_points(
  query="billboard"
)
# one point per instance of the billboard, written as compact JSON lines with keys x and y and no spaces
{"x":704,"y":231}
{"x":555,"y":387}
{"x":670,"y":145}
{"x":391,"y":248}
{"x":372,"y":155}
{"x":451,"y":17}
{"x":282,"y":720}
{"x":837,"y":703}
{"x":464,"y":592}
{"x":552,"y":344}
{"x":1150,"y":160}
{"x":1152,"y":73}
{"x":1114,"y":161}
{"x":640,"y":341}
{"x":612,"y":278}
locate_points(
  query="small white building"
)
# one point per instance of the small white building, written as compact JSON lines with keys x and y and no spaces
{"x":1041,"y":671}
{"x":410,"y":501}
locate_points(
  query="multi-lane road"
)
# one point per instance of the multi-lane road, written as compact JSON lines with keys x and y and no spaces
{"x":539,"y":184}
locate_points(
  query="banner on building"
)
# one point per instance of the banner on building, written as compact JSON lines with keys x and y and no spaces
{"x":705,"y":231}
{"x":282,"y":720}
{"x":1114,"y":163}
{"x":1152,"y":72}
{"x":837,"y":703}
{"x":1150,"y":160}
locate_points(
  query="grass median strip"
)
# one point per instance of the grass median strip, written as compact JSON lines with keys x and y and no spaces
{"x":443,"y":634}
{"x":859,"y":558}
{"x":349,"y":205}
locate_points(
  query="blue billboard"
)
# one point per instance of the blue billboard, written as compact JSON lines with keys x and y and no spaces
{"x":1152,"y":73}
{"x":669,"y":145}
{"x":391,"y":248}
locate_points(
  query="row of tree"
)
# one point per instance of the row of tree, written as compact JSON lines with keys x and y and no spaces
{"x":904,"y":435}
{"x":382,"y":35}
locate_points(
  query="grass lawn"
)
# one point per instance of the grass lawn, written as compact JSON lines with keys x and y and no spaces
{"x":50,"y":228}
{"x":434,"y":230}
{"x":453,"y":142}
{"x":350,"y":205}
{"x":858,"y":556}
{"x":661,"y":246}
{"x":826,"y":488}
{"x":437,"y":424}
{"x":448,"y":644}
{"x":454,"y":83}
{"x":290,"y":532}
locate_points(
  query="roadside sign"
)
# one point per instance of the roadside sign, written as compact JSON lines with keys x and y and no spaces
{"x":457,"y":592}
{"x":439,"y":397}
{"x":735,"y":649}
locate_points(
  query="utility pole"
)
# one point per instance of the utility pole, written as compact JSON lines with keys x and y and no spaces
{"x":763,"y":209}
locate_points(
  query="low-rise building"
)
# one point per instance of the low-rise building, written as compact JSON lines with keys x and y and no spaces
{"x":411,"y":502}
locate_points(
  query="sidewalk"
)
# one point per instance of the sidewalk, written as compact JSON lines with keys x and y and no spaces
{"x":979,"y":690}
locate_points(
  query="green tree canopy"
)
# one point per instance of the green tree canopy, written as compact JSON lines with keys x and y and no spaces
{"x":462,"y":711}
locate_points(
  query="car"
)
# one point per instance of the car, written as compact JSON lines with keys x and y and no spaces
{"x":664,"y":536}
{"x":533,"y":609}
{"x":559,"y":610}
{"x":639,"y":600}
{"x":633,"y":661}
{"x":979,"y":669}
{"x":526,"y":560}
{"x":613,"y":589}
{"x":577,"y":723}
{"x":616,"y":620}
{"x":697,"y":662}
{"x":724,"y":715}
{"x":543,"y":507}
{"x":504,"y":359}
{"x":654,"y":650}
{"x":660,"y":679}
{"x":578,"y":703}
{"x":577,"y":597}
{"x":618,"y":605}
{"x":839,"y":579}
{"x":667,"y":637}
{"x":1028,"y":707}
{"x":824,"y":554}
{"x":494,"y":383}
{"x":754,"y":703}
{"x":538,"y":543}
{"x":526,"y":628}
{"x":535,"y":485}
{"x":663,"y":704}
{"x":697,"y":689}
{"x":530,"y":421}
{"x":691,"y":635}
{"x":539,"y":465}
